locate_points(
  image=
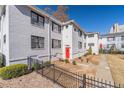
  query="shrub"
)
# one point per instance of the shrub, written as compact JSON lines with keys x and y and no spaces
{"x":36,"y":66}
{"x":90,"y":51}
{"x":100,"y":50}
{"x":66,"y":61}
{"x":74,"y":63}
{"x":12,"y":71}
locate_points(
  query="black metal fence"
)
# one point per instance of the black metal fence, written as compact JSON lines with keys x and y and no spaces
{"x":68,"y":79}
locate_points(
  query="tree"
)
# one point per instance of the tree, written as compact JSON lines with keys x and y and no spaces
{"x":61,"y":13}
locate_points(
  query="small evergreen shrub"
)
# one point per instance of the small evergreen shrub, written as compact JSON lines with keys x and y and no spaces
{"x":90,"y":51}
{"x":66,"y":61}
{"x":13,"y":71}
{"x":36,"y":66}
{"x":74,"y":63}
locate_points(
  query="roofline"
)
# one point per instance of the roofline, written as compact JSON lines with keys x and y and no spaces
{"x":44,"y":13}
{"x":54,"y":19}
{"x":73,"y":22}
{"x":107,"y":35}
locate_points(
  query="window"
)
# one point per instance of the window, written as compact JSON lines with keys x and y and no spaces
{"x":80,"y":33}
{"x":91,"y":35}
{"x":37,"y":42}
{"x":75,"y":29}
{"x":84,"y":45}
{"x":122,"y":45}
{"x":122,"y":37}
{"x":79,"y":45}
{"x":67,"y":26}
{"x":56,"y":43}
{"x":110,"y":45}
{"x":84,"y":36}
{"x":56,"y":27}
{"x":4,"y":38}
{"x":90,"y":44}
{"x":111,"y":38}
{"x":37,"y":19}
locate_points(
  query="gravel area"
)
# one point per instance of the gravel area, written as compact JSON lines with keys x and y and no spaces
{"x":32,"y":80}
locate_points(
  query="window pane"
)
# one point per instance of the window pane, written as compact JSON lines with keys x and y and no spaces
{"x":34,"y":18}
{"x":37,"y":42}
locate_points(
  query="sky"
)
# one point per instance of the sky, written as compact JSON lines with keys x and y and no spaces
{"x":94,"y":18}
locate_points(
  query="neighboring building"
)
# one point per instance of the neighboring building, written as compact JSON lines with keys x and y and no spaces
{"x":116,"y":28}
{"x":28,"y":31}
{"x":93,"y":42}
{"x":114,"y":39}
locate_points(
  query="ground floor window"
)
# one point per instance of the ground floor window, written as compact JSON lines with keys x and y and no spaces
{"x":56,"y":43}
{"x":37,"y":42}
{"x":122,"y":45}
{"x":90,"y":44}
{"x":79,"y":45}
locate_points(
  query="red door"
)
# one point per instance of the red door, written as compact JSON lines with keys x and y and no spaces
{"x":67,"y":52}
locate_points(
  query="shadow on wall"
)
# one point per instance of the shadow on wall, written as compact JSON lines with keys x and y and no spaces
{"x":2,"y":60}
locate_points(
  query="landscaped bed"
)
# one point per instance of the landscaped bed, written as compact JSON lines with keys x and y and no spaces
{"x":32,"y":80}
{"x":78,"y":68}
{"x":117,"y":68}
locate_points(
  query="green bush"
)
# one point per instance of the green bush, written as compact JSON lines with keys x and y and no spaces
{"x":66,"y":61}
{"x":90,"y":51}
{"x":36,"y":66}
{"x":74,"y":63}
{"x":100,"y":50}
{"x":12,"y":71}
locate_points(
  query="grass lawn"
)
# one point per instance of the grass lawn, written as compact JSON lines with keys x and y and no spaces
{"x":117,"y":67}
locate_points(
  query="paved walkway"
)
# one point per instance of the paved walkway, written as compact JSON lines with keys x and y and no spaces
{"x":103,"y":70}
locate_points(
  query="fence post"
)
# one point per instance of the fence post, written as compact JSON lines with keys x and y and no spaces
{"x":84,"y":81}
{"x":42,"y":67}
{"x":29,"y":62}
{"x":54,"y":73}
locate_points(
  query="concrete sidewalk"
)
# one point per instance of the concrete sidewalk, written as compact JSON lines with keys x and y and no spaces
{"x":103,"y":70}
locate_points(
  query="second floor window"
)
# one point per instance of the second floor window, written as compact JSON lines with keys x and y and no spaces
{"x":79,"y":45}
{"x":56,"y":43}
{"x":90,"y":44}
{"x":122,"y":37}
{"x":37,"y":19}
{"x":111,"y":38}
{"x":56,"y":27}
{"x":80,"y":33}
{"x":37,"y":42}
{"x":4,"y":38}
{"x":91,"y":35}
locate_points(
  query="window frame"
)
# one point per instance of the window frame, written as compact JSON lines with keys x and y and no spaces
{"x":58,"y":45}
{"x":37,"y":44}
{"x":79,"y":45}
{"x":58,"y":27}
{"x":4,"y":38}
{"x":37,"y":22}
{"x":90,"y":35}
{"x":91,"y":44}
